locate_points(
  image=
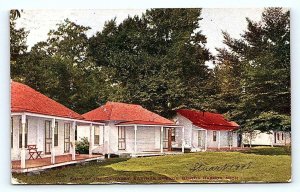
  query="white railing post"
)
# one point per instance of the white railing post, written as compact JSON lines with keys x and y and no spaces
{"x":52,"y":141}
{"x":23,"y":155}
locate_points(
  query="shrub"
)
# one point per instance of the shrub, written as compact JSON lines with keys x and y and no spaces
{"x":82,"y":146}
{"x":288,"y":148}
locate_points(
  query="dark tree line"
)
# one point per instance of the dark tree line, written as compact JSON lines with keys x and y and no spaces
{"x":253,"y":74}
{"x":158,"y":60}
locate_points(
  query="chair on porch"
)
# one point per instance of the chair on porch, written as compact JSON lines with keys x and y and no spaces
{"x":32,"y":150}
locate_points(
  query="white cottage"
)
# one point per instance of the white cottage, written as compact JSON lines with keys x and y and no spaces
{"x":42,"y":130}
{"x":205,"y":130}
{"x":272,"y":138}
{"x":131,"y":130}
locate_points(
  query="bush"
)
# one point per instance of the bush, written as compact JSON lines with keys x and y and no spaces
{"x":82,"y":146}
{"x":288,"y":148}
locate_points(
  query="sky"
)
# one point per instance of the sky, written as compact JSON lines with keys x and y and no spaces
{"x":232,"y":20}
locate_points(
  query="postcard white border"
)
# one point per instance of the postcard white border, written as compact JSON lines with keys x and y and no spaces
{"x":136,"y":4}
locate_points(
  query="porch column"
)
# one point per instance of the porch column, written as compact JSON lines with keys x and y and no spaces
{"x":205,"y":147}
{"x":73,"y":141}
{"x":103,"y":138}
{"x":103,"y":141}
{"x":182,"y":140}
{"x":91,"y":140}
{"x":23,"y":155}
{"x":230,"y":139}
{"x":284,"y":137}
{"x":272,"y":139}
{"x":135,"y":147}
{"x":52,"y":141}
{"x":161,"y":139}
{"x":108,"y":142}
{"x":219,"y":139}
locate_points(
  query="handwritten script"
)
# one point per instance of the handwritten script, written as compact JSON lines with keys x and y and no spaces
{"x":201,"y":166}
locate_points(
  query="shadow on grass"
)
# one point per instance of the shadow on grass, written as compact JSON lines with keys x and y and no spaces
{"x":285,"y":150}
{"x":93,"y":172}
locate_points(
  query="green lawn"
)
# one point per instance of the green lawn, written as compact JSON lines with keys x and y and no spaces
{"x":257,"y":165}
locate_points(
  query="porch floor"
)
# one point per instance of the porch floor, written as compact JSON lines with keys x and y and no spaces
{"x":228,"y":149}
{"x":45,"y":163}
{"x":150,"y":153}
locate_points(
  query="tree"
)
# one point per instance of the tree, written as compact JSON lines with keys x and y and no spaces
{"x":263,"y":52}
{"x":69,"y":41}
{"x":18,"y":45}
{"x":60,"y":68}
{"x":158,"y":59}
{"x":227,"y":83}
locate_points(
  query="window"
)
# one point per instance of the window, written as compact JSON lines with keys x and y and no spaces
{"x":96,"y":135}
{"x":278,"y":138}
{"x":56,"y":134}
{"x":76,"y":133}
{"x":281,"y":136}
{"x":214,"y":136}
{"x":20,"y":133}
{"x":67,"y":137}
{"x":11,"y":133}
{"x":173,"y":134}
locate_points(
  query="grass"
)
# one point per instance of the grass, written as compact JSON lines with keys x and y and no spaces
{"x":263,"y":164}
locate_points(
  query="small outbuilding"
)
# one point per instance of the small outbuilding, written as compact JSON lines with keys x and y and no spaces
{"x":206,"y":130}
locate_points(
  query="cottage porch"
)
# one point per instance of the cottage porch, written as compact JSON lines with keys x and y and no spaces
{"x":209,"y":140}
{"x":45,"y":163}
{"x":39,"y":133}
{"x":138,"y":139}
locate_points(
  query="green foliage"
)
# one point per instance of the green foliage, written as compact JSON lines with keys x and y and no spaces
{"x":18,"y":47}
{"x":253,"y":74}
{"x":159,"y":58}
{"x":267,"y":121}
{"x":156,"y":60}
{"x":61,"y":69}
{"x":82,"y":146}
{"x":284,"y":150}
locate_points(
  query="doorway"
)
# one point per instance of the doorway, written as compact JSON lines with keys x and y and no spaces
{"x":201,"y":139}
{"x":168,"y":137}
{"x":67,"y":129}
{"x":121,"y":138}
{"x":48,"y":137}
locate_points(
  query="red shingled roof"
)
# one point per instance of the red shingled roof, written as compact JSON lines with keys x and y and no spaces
{"x":207,"y":120}
{"x":125,"y":112}
{"x":26,"y":99}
